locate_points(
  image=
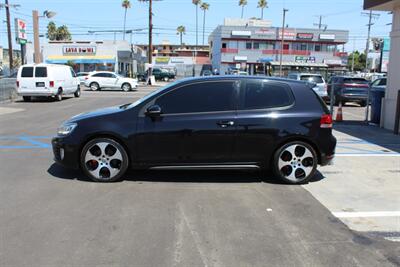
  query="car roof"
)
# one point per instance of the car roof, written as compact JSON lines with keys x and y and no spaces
{"x":304,"y":73}
{"x":44,"y":65}
{"x":239,"y":77}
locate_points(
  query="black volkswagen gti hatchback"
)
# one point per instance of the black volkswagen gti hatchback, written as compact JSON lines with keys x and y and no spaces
{"x":219,"y":122}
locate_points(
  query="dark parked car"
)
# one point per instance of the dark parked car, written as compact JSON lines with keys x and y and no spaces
{"x":221,"y":122}
{"x":163,"y":74}
{"x":349,"y":89}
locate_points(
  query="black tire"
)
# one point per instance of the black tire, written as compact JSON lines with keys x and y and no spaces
{"x":123,"y":164}
{"x":94,"y":86}
{"x":58,"y":96}
{"x":27,"y":98}
{"x":126,"y":87}
{"x":289,"y":168}
{"x":78,"y":92}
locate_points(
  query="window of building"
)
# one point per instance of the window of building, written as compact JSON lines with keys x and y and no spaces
{"x":223,"y":45}
{"x":233,"y":44}
{"x":256,"y":45}
{"x":199,"y":97}
{"x":248,"y":45}
{"x":260,"y":95}
{"x":303,"y":46}
{"x":285,"y":46}
{"x":318,"y":47}
{"x":331,"y":48}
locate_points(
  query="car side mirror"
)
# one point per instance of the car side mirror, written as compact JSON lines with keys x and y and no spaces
{"x":153,"y":111}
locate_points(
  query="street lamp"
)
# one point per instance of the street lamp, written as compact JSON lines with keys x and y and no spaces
{"x":282,"y":41}
{"x":35,"y":16}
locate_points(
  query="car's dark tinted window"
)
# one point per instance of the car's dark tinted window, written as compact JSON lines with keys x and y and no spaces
{"x":260,"y":95}
{"x":382,"y":82}
{"x":99,"y":75}
{"x":355,"y":80}
{"x":27,"y":72}
{"x":312,"y":78}
{"x":199,"y":97}
{"x":41,"y":72}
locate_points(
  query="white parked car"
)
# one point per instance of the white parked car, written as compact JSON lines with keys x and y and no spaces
{"x":47,"y":80}
{"x":321,"y":87}
{"x":106,"y":79}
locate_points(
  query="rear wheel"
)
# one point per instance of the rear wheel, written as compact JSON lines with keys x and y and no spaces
{"x":295,"y":162}
{"x":58,"y":96}
{"x":27,"y":98}
{"x":94,"y":86}
{"x":78,"y":92}
{"x":166,"y":79}
{"x":104,"y":160}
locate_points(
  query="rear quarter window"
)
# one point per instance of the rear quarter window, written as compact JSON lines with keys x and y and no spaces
{"x":41,"y":72}
{"x":264,"y":94}
{"x":27,"y":72}
{"x":355,"y":80}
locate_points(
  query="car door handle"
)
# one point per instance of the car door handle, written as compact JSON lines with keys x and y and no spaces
{"x":225,"y":124}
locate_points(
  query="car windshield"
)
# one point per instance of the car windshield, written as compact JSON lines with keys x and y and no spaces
{"x":312,"y":78}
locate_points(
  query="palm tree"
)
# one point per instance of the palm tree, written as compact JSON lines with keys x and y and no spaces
{"x":242,"y":3}
{"x":125,"y":4}
{"x":181,"y":30}
{"x":204,"y":6}
{"x":197,"y":3}
{"x":262,"y":4}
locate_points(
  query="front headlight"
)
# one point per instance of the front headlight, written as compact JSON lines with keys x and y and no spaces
{"x":66,"y":129}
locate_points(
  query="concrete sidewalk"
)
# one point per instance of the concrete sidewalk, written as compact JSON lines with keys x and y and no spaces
{"x":362,"y":188}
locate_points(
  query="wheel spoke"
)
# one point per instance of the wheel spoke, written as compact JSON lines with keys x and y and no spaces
{"x":292,"y":175}
{"x":307,"y":154}
{"x":102,"y":147}
{"x":89,"y":156}
{"x":283,"y":163}
{"x":307,"y":170}
{"x":96,"y":172}
{"x":117,"y":155}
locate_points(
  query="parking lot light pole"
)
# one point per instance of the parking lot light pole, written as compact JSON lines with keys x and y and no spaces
{"x":282,"y":41}
{"x":36,"y":46}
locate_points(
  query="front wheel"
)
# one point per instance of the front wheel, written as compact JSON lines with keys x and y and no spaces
{"x":94,"y":86}
{"x":104,"y":160}
{"x":295,"y":162}
{"x":126,"y":87}
{"x":78,"y":92}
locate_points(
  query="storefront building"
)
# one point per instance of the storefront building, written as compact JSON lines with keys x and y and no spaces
{"x":86,"y":56}
{"x":255,"y":48}
{"x":393,"y":84}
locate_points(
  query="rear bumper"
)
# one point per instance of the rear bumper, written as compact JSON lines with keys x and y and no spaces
{"x":37,"y":93}
{"x":350,"y":97}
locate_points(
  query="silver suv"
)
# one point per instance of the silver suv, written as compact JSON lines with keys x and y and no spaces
{"x":321,"y":87}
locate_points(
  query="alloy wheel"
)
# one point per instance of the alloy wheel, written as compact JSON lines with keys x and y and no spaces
{"x":296,"y":163}
{"x":104,"y":160}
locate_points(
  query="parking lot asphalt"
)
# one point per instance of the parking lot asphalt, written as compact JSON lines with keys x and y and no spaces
{"x":50,"y":216}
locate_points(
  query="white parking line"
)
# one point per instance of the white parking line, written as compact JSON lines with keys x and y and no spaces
{"x":366,"y":214}
{"x":393,"y":154}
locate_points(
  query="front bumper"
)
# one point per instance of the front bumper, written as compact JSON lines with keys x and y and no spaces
{"x":65,"y":153}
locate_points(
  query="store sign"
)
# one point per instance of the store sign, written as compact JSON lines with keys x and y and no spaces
{"x":162,"y":60}
{"x":79,"y":50}
{"x":301,"y":59}
{"x":327,"y":36}
{"x":240,"y":58}
{"x":177,"y":60}
{"x":333,"y":61}
{"x":305,"y":36}
{"x":288,"y":34}
{"x":20,"y":31}
{"x":241,"y":33}
{"x":265,"y":32}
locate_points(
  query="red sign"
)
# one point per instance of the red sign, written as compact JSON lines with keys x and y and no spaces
{"x":79,"y":50}
{"x":288,"y":34}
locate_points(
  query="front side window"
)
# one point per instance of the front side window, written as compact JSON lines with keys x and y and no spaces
{"x":41,"y":72}
{"x":199,"y":97}
{"x":262,"y":94}
{"x":27,"y":72}
{"x":99,"y":75}
{"x":72,"y":72}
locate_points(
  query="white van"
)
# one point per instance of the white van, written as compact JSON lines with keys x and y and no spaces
{"x":47,"y":80}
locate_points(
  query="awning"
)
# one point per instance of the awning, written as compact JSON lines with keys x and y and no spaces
{"x":81,"y":59}
{"x":300,"y":64}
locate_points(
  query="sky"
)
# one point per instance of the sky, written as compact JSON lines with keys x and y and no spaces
{"x":82,"y":16}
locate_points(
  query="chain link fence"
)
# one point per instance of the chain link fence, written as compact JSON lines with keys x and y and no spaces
{"x":8,"y":89}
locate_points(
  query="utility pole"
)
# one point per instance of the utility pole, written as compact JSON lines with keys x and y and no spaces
{"x":36,"y":44}
{"x":150,"y":50}
{"x":10,"y":49}
{"x":319,"y":24}
{"x":371,"y":16}
{"x":282,"y":40}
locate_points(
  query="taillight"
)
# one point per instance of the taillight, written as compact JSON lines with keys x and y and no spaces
{"x":86,"y":77}
{"x":17,"y":83}
{"x":51,"y":83}
{"x":326,"y":121}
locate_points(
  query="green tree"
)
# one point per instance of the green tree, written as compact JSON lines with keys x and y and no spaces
{"x":181,"y":30}
{"x":262,"y":4}
{"x":63,"y":33}
{"x":204,"y":6}
{"x":125,"y":4}
{"x":197,"y":3}
{"x":242,"y":3}
{"x":359,"y":61}
{"x":51,"y":31}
